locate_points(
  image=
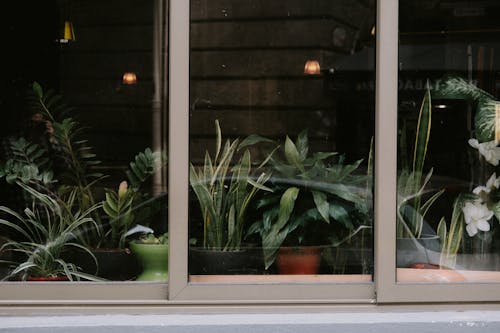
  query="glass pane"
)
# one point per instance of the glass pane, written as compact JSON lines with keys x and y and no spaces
{"x":448,"y":190}
{"x":281,"y":122}
{"x":83,"y":140}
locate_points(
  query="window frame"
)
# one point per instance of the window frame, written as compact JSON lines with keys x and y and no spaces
{"x":179,"y":287}
{"x":387,"y":288}
{"x":384,"y":289}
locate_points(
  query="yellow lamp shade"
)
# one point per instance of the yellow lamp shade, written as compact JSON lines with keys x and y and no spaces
{"x":69,"y":32}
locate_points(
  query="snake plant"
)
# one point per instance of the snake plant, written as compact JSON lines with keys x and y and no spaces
{"x":225,"y":186}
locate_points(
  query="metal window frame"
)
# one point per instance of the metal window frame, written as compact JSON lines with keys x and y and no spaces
{"x":387,"y":288}
{"x":179,"y":291}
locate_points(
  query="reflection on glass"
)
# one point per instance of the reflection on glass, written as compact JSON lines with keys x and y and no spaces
{"x":82,"y":190}
{"x":281,"y":122}
{"x":448,"y":190}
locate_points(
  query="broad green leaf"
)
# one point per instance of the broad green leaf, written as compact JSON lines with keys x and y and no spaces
{"x":292,"y":155}
{"x":287,"y":204}
{"x":322,"y":205}
{"x":340,"y":214}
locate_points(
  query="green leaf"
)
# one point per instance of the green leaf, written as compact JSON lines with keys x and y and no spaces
{"x":292,"y":154}
{"x":442,"y":232}
{"x":287,"y":204}
{"x":321,"y":204}
{"x":340,"y":214}
{"x":485,"y":119}
{"x":303,"y":145}
{"x":259,"y":185}
{"x":423,"y":131}
{"x":252,"y":140}
{"x":37,"y":89}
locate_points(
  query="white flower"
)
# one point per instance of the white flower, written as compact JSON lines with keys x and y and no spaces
{"x":476,"y":217}
{"x":489,"y":150}
{"x":493,"y":182}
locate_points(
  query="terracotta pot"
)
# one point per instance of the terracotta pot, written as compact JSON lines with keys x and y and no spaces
{"x":423,"y":250}
{"x":298,"y":260}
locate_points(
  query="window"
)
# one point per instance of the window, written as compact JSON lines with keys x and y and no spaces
{"x":84,"y":143}
{"x":281,"y":122}
{"x":446,"y":120}
{"x":290,"y":123}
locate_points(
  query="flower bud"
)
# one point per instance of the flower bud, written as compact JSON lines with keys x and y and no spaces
{"x":122,"y":190}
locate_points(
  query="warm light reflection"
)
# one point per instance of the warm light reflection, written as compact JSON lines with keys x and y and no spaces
{"x":312,"y":67}
{"x":129,"y":78}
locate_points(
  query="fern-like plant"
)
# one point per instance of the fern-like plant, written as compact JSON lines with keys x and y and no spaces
{"x":74,"y":153}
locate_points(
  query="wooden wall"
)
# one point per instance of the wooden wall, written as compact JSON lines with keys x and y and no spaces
{"x":112,"y":37}
{"x":247,"y":60}
{"x":247,"y":63}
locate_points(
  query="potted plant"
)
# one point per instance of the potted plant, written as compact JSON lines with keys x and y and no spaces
{"x":316,"y":201}
{"x":124,"y":208}
{"x":225,"y":186}
{"x":417,"y":242}
{"x":152,"y":253}
{"x":469,"y":230}
{"x":473,"y":237}
{"x":61,"y":162}
{"x":41,"y":236}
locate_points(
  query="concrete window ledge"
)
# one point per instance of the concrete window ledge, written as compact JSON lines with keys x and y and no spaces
{"x":373,"y":322}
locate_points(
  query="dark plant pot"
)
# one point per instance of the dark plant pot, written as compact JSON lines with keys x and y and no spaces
{"x":425,"y":250}
{"x":48,"y":279}
{"x":298,"y":260}
{"x":248,"y":260}
{"x":153,"y":259}
{"x":113,"y":264}
{"x":4,"y":256}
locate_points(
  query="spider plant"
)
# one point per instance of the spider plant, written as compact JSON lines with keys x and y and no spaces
{"x":43,"y":233}
{"x":61,"y":163}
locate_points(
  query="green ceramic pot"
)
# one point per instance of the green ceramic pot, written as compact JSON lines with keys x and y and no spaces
{"x":154,"y":261}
